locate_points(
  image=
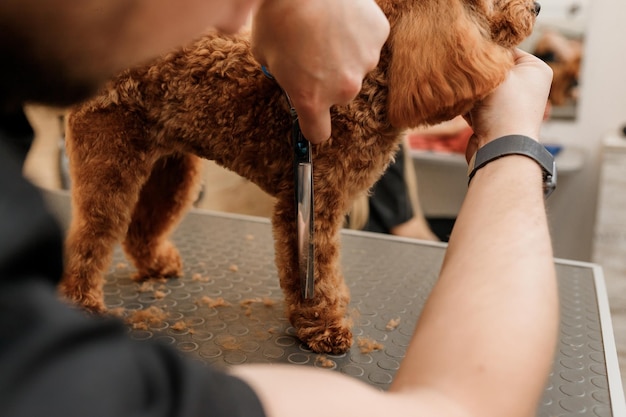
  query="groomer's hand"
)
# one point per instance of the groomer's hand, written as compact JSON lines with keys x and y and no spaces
{"x":517,"y":106}
{"x":319,"y":52}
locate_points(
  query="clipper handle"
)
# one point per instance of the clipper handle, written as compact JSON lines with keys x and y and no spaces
{"x":304,"y":206}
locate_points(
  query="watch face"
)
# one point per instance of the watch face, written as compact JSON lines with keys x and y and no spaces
{"x":549,"y":181}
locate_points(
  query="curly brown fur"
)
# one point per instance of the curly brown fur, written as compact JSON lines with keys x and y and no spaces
{"x":135,"y":148}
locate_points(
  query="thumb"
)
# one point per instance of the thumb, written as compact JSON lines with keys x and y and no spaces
{"x":472,"y":147}
{"x":315,"y":125}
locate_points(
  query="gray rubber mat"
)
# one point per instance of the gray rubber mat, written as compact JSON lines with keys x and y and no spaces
{"x":227,"y":309}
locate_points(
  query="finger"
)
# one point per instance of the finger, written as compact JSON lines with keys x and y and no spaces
{"x":519,"y":53}
{"x":315,"y":125}
{"x":524,"y":58}
{"x":471,"y":149}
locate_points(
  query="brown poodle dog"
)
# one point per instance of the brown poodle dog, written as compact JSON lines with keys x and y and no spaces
{"x":135,"y":149}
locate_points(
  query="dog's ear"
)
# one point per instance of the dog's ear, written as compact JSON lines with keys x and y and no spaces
{"x":442,"y":61}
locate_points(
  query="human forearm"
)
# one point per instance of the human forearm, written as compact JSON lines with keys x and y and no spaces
{"x":80,"y":44}
{"x":153,"y":25}
{"x":490,"y":325}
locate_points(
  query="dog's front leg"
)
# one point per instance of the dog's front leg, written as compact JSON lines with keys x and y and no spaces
{"x":320,"y":322}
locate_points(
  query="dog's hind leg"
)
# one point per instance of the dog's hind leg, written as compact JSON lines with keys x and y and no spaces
{"x":167,"y":195}
{"x":107,"y":174}
{"x":320,"y":322}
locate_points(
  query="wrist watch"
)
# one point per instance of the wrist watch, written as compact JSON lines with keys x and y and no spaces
{"x":517,"y":145}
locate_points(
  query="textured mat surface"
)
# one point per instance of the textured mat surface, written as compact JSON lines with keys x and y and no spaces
{"x":228,"y":309}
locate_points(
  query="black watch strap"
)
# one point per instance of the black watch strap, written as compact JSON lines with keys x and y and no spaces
{"x":517,"y":145}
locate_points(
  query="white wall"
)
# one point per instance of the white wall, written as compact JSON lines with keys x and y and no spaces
{"x":602,"y":109}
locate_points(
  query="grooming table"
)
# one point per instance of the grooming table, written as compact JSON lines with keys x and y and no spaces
{"x":227,"y":309}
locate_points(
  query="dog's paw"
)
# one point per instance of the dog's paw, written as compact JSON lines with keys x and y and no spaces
{"x":334,"y":338}
{"x":90,"y":301}
{"x":165,"y":264}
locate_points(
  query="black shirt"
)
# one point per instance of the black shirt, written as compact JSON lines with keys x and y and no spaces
{"x":57,"y":361}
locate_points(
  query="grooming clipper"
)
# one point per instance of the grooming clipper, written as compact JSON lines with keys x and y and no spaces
{"x":303,"y":173}
{"x":303,"y":178}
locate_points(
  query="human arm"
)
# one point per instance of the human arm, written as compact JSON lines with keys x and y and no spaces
{"x":497,"y":286}
{"x":485,"y":340}
{"x":319,"y":52}
{"x":59,"y":51}
{"x":416,"y":228}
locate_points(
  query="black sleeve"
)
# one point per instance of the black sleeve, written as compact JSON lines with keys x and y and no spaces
{"x":389,"y":202}
{"x":58,"y":361}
